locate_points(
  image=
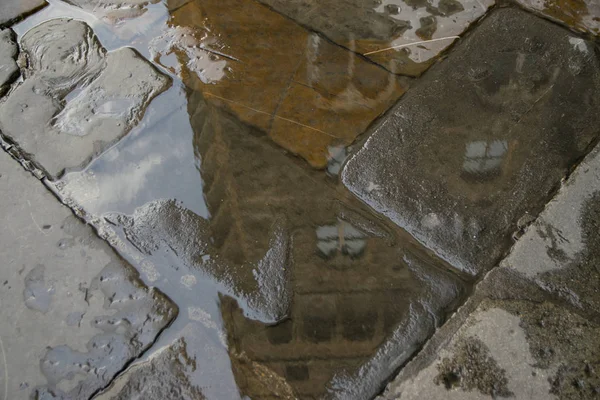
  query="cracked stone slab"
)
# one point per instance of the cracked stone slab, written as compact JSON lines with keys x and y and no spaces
{"x":67,"y":294}
{"x":403,"y":36}
{"x":76,"y":99}
{"x":13,"y":10}
{"x":466,"y":158}
{"x":516,"y":349}
{"x":580,"y":15}
{"x":559,"y":251}
{"x":9,"y":71}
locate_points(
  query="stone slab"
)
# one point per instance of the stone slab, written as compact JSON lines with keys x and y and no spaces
{"x":164,"y":376}
{"x":65,"y":299}
{"x":579,"y":15}
{"x":68,"y":109}
{"x":463,"y":160}
{"x":13,"y":10}
{"x":515,"y":349}
{"x":9,"y":50}
{"x":559,"y":251}
{"x":403,"y":36}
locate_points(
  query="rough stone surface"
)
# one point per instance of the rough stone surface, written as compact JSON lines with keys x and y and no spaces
{"x":516,"y":349}
{"x":164,"y":376}
{"x":13,"y":10}
{"x":9,"y":70}
{"x":580,"y":15}
{"x":403,"y":36}
{"x":76,"y":99}
{"x":560,"y":250}
{"x":114,"y":11}
{"x":508,"y":113}
{"x":73,"y":324}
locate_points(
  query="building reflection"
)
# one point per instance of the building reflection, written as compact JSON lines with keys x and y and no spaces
{"x":352,"y":283}
{"x":484,"y":159}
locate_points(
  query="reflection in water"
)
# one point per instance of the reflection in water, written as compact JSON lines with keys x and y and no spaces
{"x":484,"y":159}
{"x":306,"y":93}
{"x":203,"y":201}
{"x":583,"y":15}
{"x":341,"y":238}
{"x":354,"y":286}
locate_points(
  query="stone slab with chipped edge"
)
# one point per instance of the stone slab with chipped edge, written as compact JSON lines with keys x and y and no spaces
{"x":39,"y":231}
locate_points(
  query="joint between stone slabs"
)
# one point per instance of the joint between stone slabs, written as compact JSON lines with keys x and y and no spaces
{"x":17,"y":155}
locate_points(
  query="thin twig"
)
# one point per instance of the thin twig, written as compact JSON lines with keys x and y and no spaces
{"x":271,"y":115}
{"x":412,"y":44}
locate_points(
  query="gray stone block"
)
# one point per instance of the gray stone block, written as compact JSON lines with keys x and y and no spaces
{"x":480,"y":145}
{"x":74,"y":312}
{"x":76,"y":98}
{"x":515,"y":349}
{"x":13,"y":10}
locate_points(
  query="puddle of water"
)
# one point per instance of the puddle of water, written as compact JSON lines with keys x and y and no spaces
{"x":341,"y":282}
{"x":581,"y":15}
{"x":286,"y":284}
{"x":403,"y":36}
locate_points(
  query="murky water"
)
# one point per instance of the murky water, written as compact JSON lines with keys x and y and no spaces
{"x":225,"y":197}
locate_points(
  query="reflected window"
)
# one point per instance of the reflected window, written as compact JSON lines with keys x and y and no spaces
{"x":341,"y":238}
{"x":484,"y":158}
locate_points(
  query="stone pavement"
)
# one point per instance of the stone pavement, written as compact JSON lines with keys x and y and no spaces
{"x":532,"y":328}
{"x":300,"y":199}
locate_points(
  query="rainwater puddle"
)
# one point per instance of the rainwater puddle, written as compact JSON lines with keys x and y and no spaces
{"x":225,"y":198}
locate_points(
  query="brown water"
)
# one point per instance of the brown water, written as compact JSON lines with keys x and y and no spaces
{"x":226,"y":198}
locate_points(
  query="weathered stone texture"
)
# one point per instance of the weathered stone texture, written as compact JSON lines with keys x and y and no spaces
{"x":466,"y":158}
{"x":78,"y":313}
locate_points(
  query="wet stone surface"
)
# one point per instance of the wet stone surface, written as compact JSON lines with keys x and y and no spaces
{"x":164,"y":376}
{"x":353,"y":296}
{"x":529,"y":351}
{"x":76,"y":98}
{"x":253,"y":275}
{"x":580,"y":15}
{"x":114,"y":11}
{"x":462,"y":172}
{"x":137,"y":316}
{"x":13,"y":10}
{"x":306,"y":93}
{"x":559,"y":251}
{"x":8,"y":59}
{"x":403,"y":36}
{"x":79,"y":314}
{"x":288,"y":246}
